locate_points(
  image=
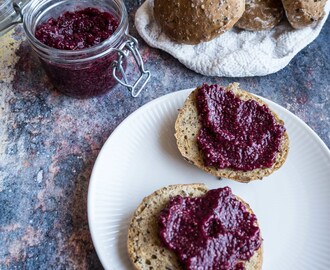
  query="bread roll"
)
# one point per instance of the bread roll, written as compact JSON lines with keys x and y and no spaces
{"x":145,"y":248}
{"x":187,"y":127}
{"x":261,"y":15}
{"x":195,"y":21}
{"x":303,"y":13}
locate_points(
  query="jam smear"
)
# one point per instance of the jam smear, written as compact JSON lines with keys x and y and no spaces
{"x":77,"y":30}
{"x":236,"y":134}
{"x":213,"y":232}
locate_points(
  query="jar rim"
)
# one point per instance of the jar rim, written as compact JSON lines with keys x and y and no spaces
{"x":93,"y":52}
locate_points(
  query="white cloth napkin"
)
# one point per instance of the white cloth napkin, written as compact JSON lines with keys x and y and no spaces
{"x":236,"y":53}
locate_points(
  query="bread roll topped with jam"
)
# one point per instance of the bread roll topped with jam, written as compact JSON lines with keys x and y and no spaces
{"x":231,"y":133}
{"x":190,"y":227}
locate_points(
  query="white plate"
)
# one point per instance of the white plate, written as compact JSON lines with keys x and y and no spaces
{"x":140,"y":156}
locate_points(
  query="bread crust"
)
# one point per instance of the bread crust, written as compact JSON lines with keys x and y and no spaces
{"x":303,"y":13}
{"x":187,"y":127}
{"x":261,"y":15}
{"x":194,"y":21}
{"x":144,"y":245}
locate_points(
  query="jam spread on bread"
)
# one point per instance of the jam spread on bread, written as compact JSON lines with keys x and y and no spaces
{"x":77,"y":30}
{"x":236,"y":134}
{"x":214,"y":231}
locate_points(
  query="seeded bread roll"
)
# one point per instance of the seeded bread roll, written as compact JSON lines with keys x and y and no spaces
{"x":261,"y":15}
{"x":302,"y":13}
{"x":194,"y":21}
{"x":187,"y":127}
{"x":144,"y":245}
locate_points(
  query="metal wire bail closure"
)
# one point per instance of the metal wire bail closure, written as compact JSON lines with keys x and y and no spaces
{"x":19,"y":20}
{"x":130,"y":46}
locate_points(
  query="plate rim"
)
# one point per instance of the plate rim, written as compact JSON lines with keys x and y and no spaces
{"x":92,"y":179}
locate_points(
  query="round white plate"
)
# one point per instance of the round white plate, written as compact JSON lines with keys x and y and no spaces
{"x":292,"y":205}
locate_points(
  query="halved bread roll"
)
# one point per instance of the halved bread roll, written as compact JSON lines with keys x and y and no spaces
{"x":145,"y":247}
{"x":188,"y":125}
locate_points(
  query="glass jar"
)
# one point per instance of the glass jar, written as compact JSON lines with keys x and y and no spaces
{"x":91,"y":71}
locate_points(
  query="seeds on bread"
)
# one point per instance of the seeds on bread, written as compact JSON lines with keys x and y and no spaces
{"x":187,"y":127}
{"x":195,"y":21}
{"x":303,"y":13}
{"x":261,"y":15}
{"x":145,"y":248}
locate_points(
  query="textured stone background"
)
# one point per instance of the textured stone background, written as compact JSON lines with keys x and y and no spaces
{"x":49,"y":142}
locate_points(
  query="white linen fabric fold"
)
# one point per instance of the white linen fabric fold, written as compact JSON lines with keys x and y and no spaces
{"x":236,"y":53}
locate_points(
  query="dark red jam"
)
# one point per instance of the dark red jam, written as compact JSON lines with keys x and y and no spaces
{"x":236,"y":134}
{"x":74,"y":31}
{"x":213,"y":232}
{"x":77,"y":30}
{"x":94,"y":80}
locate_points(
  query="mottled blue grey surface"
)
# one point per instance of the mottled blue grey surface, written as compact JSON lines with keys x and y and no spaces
{"x":51,"y":141}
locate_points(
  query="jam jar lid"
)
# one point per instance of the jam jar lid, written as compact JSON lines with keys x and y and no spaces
{"x":10,"y":14}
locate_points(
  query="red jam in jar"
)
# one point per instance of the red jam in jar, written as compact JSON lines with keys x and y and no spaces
{"x":85,"y":81}
{"x":77,"y":30}
{"x":236,"y":134}
{"x":214,"y":231}
{"x":83,"y":45}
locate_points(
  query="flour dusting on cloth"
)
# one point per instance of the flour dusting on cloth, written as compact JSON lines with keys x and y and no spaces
{"x":236,"y":53}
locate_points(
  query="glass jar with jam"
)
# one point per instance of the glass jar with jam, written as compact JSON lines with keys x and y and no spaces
{"x":82,"y":45}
